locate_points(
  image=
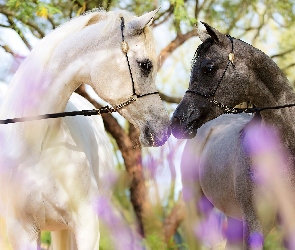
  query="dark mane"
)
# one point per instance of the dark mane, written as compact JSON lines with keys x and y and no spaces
{"x":203,"y":47}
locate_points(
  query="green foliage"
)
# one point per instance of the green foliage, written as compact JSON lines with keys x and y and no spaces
{"x":154,"y":241}
{"x":181,"y":12}
{"x":274,"y":240}
{"x":27,"y":10}
{"x":106,"y":241}
{"x":285,"y":8}
{"x":139,"y":7}
{"x":46,"y":238}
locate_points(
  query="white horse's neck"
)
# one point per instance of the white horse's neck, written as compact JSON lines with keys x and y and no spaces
{"x":43,"y":84}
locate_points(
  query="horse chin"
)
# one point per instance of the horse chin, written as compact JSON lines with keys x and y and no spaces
{"x":151,"y":140}
{"x":190,"y":133}
{"x":184,"y":134}
{"x":184,"y":131}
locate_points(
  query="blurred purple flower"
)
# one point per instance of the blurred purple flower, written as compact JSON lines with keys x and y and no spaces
{"x":234,"y":230}
{"x":256,"y":240}
{"x":204,"y":205}
{"x":189,"y":171}
{"x":270,"y":164}
{"x":264,"y":141}
{"x":123,"y":236}
{"x":17,"y":60}
{"x":152,"y":166}
{"x":189,"y":174}
{"x":209,"y":231}
{"x":260,"y":138}
{"x":171,"y":159}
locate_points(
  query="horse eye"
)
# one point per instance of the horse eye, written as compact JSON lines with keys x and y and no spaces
{"x":207,"y":67}
{"x":145,"y":66}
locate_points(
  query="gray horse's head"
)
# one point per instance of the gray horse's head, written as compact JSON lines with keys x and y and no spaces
{"x":217,"y":79}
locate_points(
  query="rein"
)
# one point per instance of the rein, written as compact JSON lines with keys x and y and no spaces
{"x":99,"y":111}
{"x":231,"y":110}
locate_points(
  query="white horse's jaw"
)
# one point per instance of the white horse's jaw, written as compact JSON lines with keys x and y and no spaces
{"x":151,"y":139}
{"x":149,"y":115}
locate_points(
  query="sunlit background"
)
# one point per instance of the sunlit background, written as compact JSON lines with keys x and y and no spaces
{"x":266,"y":24}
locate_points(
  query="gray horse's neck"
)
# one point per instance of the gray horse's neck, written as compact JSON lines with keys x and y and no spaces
{"x":273,"y":89}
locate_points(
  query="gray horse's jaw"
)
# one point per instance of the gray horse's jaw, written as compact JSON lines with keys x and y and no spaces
{"x":183,"y":132}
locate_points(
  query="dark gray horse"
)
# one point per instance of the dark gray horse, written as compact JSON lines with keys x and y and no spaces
{"x":226,"y":72}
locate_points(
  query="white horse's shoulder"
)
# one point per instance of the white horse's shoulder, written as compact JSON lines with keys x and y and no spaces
{"x":89,"y":132}
{"x":71,"y":166}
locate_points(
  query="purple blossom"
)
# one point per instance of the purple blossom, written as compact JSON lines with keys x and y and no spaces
{"x":152,"y":166}
{"x":260,"y":138}
{"x":204,"y":205}
{"x":209,"y":230}
{"x":123,"y":236}
{"x":17,"y":60}
{"x":189,"y":174}
{"x":271,"y":170}
{"x":234,"y":230}
{"x":256,"y":240}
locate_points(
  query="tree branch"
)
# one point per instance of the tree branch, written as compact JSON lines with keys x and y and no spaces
{"x":170,"y":99}
{"x":10,"y":20}
{"x":173,"y":220}
{"x":53,"y":25}
{"x":288,"y":67}
{"x":4,"y":26}
{"x":237,"y":17}
{"x":164,"y":15}
{"x":262,"y":23}
{"x":282,"y":53}
{"x":7,"y":49}
{"x":11,"y":14}
{"x":173,"y":45}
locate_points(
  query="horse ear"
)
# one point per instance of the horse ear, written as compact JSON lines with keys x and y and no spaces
{"x":203,"y":35}
{"x":213,"y":33}
{"x":139,"y":23}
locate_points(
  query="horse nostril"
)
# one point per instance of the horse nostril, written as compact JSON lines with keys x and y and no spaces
{"x":176,"y":127}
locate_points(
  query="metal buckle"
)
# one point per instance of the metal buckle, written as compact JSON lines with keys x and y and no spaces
{"x":231,"y":57}
{"x":124,"y":46}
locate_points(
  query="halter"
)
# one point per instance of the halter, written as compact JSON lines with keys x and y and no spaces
{"x":231,"y":110}
{"x":211,"y":96}
{"x":99,"y":111}
{"x":125,"y":48}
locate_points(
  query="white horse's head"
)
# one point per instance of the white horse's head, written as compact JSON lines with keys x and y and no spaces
{"x":116,"y":77}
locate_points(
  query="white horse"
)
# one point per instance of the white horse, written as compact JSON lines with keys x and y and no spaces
{"x":49,"y":169}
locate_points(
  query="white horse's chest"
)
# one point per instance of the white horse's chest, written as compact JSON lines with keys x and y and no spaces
{"x":46,"y":192}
